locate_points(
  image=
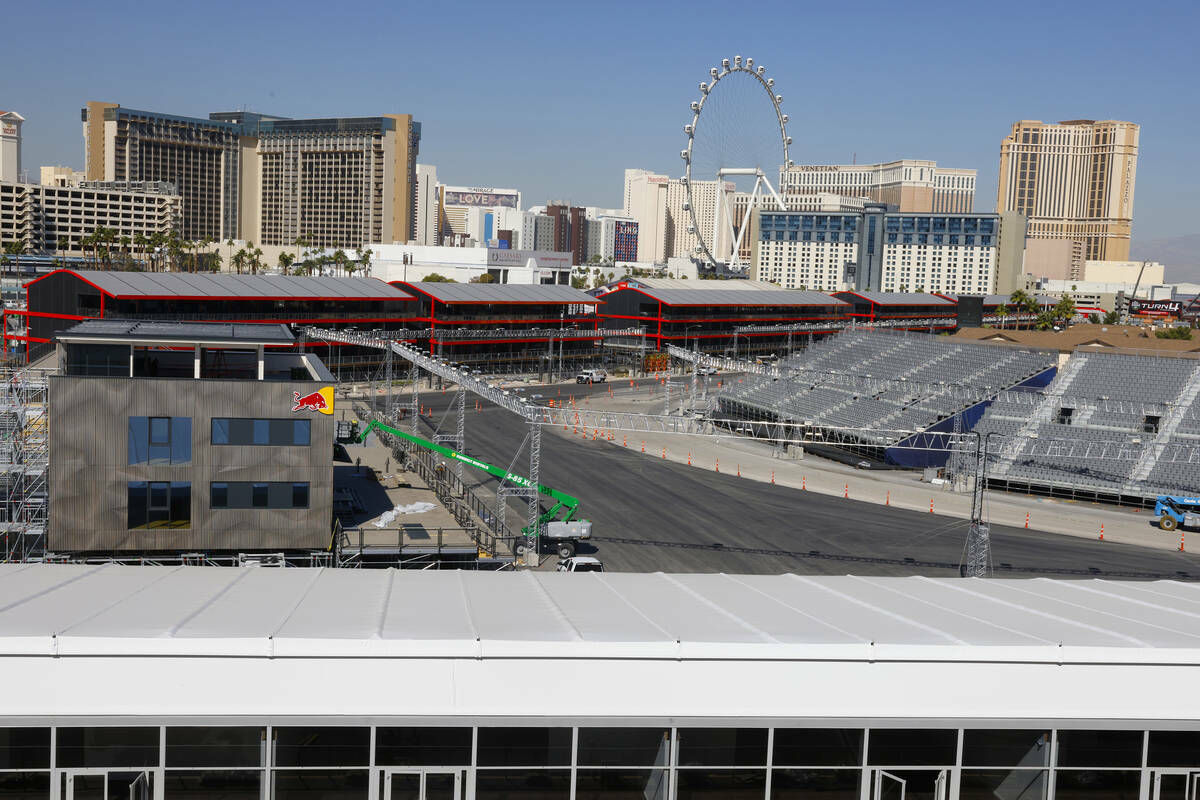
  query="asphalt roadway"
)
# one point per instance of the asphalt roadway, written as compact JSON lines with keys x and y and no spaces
{"x":651,"y":515}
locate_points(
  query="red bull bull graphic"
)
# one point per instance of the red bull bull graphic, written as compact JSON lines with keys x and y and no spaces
{"x":321,"y":400}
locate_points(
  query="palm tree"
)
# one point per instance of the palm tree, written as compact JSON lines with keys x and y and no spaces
{"x":285,"y":261}
{"x":340,"y":259}
{"x":64,"y":243}
{"x":300,"y":243}
{"x":1002,"y":312}
{"x":16,"y":250}
{"x":364,"y":260}
{"x":126,"y":241}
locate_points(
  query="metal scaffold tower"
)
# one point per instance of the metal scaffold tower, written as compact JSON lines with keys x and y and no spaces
{"x":24,"y":461}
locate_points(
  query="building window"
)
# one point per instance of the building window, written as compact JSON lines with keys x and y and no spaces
{"x":249,"y":494}
{"x":160,"y":440}
{"x":160,"y":504}
{"x":245,"y":432}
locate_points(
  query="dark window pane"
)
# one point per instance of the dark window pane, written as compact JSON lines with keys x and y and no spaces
{"x":624,"y":747}
{"x":818,"y":747}
{"x":827,"y":784}
{"x":181,"y":440}
{"x":259,"y":495}
{"x":1003,"y":748}
{"x":435,"y":747}
{"x":181,"y":504}
{"x":222,"y":784}
{"x":302,"y":432}
{"x":725,"y":784}
{"x":25,"y":785}
{"x":262,"y":431}
{"x":214,"y":747}
{"x":299,"y":495}
{"x":508,"y":784}
{"x":136,"y":496}
{"x":323,"y":784}
{"x":279,"y":495}
{"x":220,"y":431}
{"x":1100,"y":748}
{"x":1174,"y":749}
{"x":241,"y":431}
{"x":524,"y":747}
{"x":322,"y":747}
{"x":24,"y":748}
{"x":628,"y":784}
{"x":736,"y":747}
{"x":1098,"y":784}
{"x":139,"y":440}
{"x":107,"y":747}
{"x":219,"y":495}
{"x":1015,"y":784}
{"x":160,"y":440}
{"x":282,"y":432}
{"x":920,"y":784}
{"x":935,"y":748}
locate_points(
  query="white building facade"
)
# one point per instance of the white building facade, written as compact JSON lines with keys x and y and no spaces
{"x":428,"y":205}
{"x":912,"y":185}
{"x":877,"y":251}
{"x":395,"y":262}
{"x":10,"y":146}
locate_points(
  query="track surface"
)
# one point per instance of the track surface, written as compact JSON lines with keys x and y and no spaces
{"x":651,"y":515}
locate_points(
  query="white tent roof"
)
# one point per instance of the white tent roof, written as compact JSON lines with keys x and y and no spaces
{"x":199,"y":611}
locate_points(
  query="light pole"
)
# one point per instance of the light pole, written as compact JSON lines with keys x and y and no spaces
{"x":695,"y":361}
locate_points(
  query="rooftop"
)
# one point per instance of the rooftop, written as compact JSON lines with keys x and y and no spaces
{"x":721,"y":296}
{"x":199,"y":286}
{"x":901,"y":298}
{"x":190,"y":332}
{"x":77,"y":610}
{"x":500,"y":292}
{"x":1087,"y":337}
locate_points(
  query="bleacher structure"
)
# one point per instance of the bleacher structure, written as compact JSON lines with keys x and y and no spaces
{"x":24,"y":462}
{"x":887,"y":385}
{"x":1133,"y":422}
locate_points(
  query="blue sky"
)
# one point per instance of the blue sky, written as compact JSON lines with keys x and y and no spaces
{"x":556,"y":99}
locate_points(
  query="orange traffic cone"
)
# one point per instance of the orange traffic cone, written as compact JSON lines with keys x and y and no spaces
{"x":846,"y":494}
{"x":931,"y":505}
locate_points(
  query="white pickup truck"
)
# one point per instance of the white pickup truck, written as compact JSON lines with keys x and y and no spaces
{"x":591,"y":376}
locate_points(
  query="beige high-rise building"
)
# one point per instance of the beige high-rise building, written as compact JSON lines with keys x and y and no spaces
{"x":659,"y":206}
{"x":914,"y":186}
{"x":339,"y":182}
{"x":1074,"y":181}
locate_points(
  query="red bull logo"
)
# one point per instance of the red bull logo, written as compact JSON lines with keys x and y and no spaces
{"x":320,"y":400}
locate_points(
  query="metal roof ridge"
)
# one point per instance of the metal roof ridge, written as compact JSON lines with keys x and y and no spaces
{"x":208,"y":603}
{"x":790,"y":607}
{"x":170,"y":571}
{"x":650,"y":621}
{"x":1141,"y":623}
{"x":317,"y":573}
{"x":555,"y":608}
{"x":718,"y":608}
{"x":1055,"y":617}
{"x":26,"y":598}
{"x":992,"y":623}
{"x":885,"y":612}
{"x":1080,"y":586}
{"x":466,"y":605}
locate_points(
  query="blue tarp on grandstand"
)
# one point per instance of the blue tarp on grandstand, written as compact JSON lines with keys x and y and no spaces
{"x":929,"y":448}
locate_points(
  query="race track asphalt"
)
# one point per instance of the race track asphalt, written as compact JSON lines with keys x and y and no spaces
{"x":652,"y":515}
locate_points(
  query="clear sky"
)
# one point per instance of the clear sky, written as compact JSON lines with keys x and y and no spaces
{"x":557,"y":99}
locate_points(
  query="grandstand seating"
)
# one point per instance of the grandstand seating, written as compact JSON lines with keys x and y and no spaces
{"x":1111,"y":423}
{"x":891,"y":382}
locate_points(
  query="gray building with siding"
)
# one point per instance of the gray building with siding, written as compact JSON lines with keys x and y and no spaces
{"x":188,"y":438}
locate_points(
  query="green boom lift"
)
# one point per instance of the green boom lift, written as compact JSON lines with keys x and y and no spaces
{"x":565,"y":532}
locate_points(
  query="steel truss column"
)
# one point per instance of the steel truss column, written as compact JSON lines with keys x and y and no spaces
{"x":389,"y":405}
{"x":414,"y":407}
{"x":978,"y":563}
{"x":461,"y":431}
{"x":533,"y":533}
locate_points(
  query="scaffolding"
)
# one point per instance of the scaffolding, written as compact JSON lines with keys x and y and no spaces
{"x":24,"y":463}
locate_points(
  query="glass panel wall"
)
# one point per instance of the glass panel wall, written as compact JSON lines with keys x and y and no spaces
{"x":601,"y":762}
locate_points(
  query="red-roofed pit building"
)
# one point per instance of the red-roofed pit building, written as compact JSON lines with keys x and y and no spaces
{"x":710,"y":315}
{"x":59,"y":299}
{"x":926,"y":311}
{"x":480,"y":314}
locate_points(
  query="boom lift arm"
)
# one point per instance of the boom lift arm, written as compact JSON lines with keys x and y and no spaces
{"x":562,"y":500}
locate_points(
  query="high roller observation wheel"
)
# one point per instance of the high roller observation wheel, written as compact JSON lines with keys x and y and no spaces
{"x":703,"y":248}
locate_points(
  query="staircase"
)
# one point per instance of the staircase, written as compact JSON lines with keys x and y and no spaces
{"x":1044,"y":411}
{"x":1166,"y":429}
